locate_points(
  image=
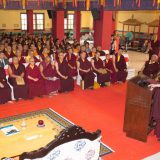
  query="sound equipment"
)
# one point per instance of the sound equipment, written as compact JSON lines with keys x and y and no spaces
{"x":95,"y":13}
{"x":51,"y":13}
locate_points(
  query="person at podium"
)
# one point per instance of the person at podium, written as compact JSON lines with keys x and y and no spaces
{"x":155,"y":111}
{"x":150,"y":68}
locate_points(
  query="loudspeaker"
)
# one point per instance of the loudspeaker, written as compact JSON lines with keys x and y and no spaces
{"x":95,"y":13}
{"x":51,"y":14}
{"x":65,"y":14}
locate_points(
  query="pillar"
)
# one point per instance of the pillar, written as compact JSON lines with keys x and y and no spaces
{"x":58,"y":25}
{"x":77,"y":25}
{"x":103,"y":29}
{"x":30,"y":21}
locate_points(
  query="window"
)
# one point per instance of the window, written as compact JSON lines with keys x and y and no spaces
{"x":38,"y":21}
{"x":24,"y":21}
{"x":69,"y":22}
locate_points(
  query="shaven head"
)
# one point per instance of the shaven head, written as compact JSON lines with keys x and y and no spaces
{"x":32,"y":61}
{"x":15,"y":60}
{"x":154,"y":58}
{"x":47,"y":59}
{"x":61,"y":55}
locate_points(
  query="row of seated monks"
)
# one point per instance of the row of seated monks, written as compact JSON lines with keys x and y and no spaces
{"x":38,"y":66}
{"x":50,"y":77}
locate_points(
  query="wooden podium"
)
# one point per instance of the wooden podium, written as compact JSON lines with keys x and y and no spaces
{"x":137,"y":110}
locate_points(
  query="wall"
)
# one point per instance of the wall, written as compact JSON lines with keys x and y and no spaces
{"x":10,"y":19}
{"x":142,"y":16}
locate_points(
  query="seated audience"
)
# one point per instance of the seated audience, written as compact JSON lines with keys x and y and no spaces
{"x":34,"y":80}
{"x":88,"y":50}
{"x":3,"y":60}
{"x":120,"y":66}
{"x":66,"y":82}
{"x":72,"y":63}
{"x":103,"y":76}
{"x":5,"y":91}
{"x":9,"y":53}
{"x":108,"y":64}
{"x":19,"y":56}
{"x":17,"y":79}
{"x":85,"y":71}
{"x":99,"y":49}
{"x":31,"y":55}
{"x":151,"y":67}
{"x":48,"y":72}
{"x":93,"y":52}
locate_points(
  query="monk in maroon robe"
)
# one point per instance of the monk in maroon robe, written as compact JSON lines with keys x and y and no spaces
{"x":20,"y":58}
{"x":155,"y":110}
{"x":17,"y":71}
{"x":9,"y":53}
{"x":48,"y":72}
{"x":120,"y":66}
{"x":67,"y":82}
{"x":34,"y":80}
{"x":98,"y":68}
{"x":108,"y":63}
{"x":85,"y":71}
{"x":5,"y":91}
{"x":151,"y":67}
{"x":72,"y":63}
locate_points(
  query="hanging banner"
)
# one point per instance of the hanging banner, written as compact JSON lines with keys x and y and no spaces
{"x":88,"y":4}
{"x":102,"y":3}
{"x":23,"y":4}
{"x":64,"y":4}
{"x":4,"y":3}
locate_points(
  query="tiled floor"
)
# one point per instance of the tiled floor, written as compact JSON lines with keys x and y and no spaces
{"x":137,"y":59}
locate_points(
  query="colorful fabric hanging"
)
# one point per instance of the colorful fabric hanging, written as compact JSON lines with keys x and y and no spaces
{"x":88,"y":4}
{"x":138,"y":3}
{"x":154,"y":3}
{"x":102,"y":3}
{"x":65,"y":4}
{"x":117,"y":3}
{"x":4,"y":3}
{"x":55,"y":2}
{"x":23,"y":4}
{"x":158,"y":3}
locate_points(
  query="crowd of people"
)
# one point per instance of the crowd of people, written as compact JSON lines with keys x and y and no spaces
{"x":39,"y":65}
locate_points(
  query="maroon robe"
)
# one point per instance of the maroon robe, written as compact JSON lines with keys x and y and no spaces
{"x":66,"y":84}
{"x":35,"y":88}
{"x":151,"y":70}
{"x":109,"y":65}
{"x":72,"y":62}
{"x":20,"y":91}
{"x":101,"y":78}
{"x":155,"y":111}
{"x":8,"y":56}
{"x":50,"y":72}
{"x":121,"y":66}
{"x":89,"y":76}
{"x":5,"y":93}
{"x":22,"y":60}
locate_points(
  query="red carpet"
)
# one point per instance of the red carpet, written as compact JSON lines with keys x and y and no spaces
{"x":98,"y":109}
